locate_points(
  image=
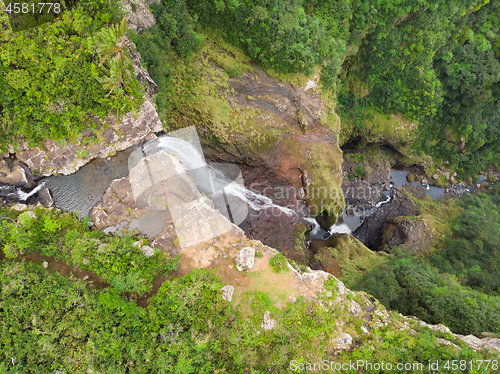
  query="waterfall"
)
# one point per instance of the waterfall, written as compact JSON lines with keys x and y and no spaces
{"x":208,"y":179}
{"x":23,"y":196}
{"x":255,"y":200}
{"x":341,"y":228}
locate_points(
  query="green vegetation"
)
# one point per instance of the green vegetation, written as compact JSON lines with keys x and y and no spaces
{"x":471,"y":253}
{"x":186,"y":326}
{"x":50,"y":323}
{"x":412,"y":286}
{"x":278,"y":263}
{"x":60,"y":235}
{"x":437,"y":65}
{"x":458,"y":284}
{"x":52,"y":82}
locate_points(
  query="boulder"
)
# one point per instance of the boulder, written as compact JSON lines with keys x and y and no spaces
{"x":45,"y":197}
{"x":14,"y":173}
{"x":100,"y":218}
{"x":268,"y":323}
{"x":147,"y":251}
{"x":19,"y":206}
{"x":343,"y":342}
{"x":245,"y":258}
{"x":227,"y":292}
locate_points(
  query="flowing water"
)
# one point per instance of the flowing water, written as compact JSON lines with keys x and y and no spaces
{"x":399,"y":178}
{"x":80,"y":191}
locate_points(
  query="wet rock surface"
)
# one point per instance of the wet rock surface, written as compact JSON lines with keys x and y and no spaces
{"x":45,"y":197}
{"x":371,"y":229}
{"x":414,"y":234}
{"x":288,"y":151}
{"x":365,"y":176}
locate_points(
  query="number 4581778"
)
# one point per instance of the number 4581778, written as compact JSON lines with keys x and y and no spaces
{"x":18,"y":8}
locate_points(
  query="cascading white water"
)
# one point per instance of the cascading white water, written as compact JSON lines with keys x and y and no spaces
{"x":341,"y":228}
{"x":23,"y":196}
{"x":315,"y":232}
{"x":208,"y":179}
{"x":255,"y":200}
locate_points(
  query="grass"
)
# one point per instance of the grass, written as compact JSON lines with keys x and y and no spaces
{"x":352,"y":259}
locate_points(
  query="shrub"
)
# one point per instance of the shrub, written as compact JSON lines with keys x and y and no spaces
{"x":278,"y":263}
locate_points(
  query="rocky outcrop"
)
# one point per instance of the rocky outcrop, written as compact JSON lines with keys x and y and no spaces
{"x":139,"y":202}
{"x":14,"y":173}
{"x":139,"y":16}
{"x":369,"y":233}
{"x":245,"y":258}
{"x":65,"y":158}
{"x":472,"y":341}
{"x":414,"y":234}
{"x":285,"y":138}
{"x":141,"y":74}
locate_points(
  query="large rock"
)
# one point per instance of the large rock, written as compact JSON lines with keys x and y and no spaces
{"x":245,"y":258}
{"x":371,"y":229}
{"x":100,"y":218}
{"x":45,"y":197}
{"x":14,"y":173}
{"x":227,"y":292}
{"x":147,"y":251}
{"x":268,"y":323}
{"x":343,"y":342}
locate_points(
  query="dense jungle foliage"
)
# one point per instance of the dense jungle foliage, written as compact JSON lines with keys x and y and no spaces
{"x":50,"y":323}
{"x":54,"y":78}
{"x":117,"y":260}
{"x":435,"y":63}
{"x":457,"y":285}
